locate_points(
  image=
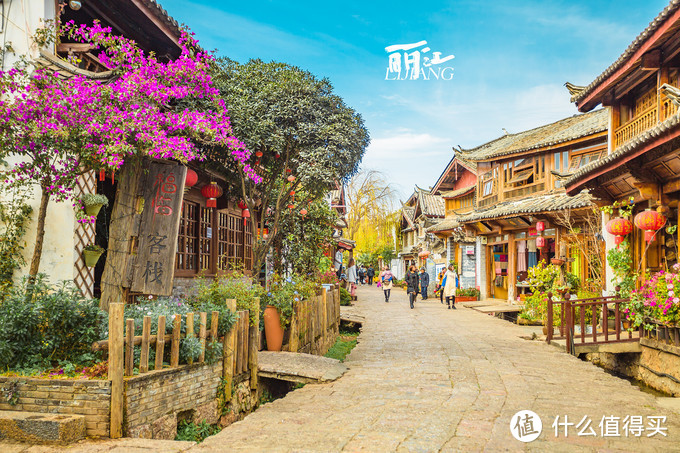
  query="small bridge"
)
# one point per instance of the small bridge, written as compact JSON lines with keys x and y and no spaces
{"x":590,"y":325}
{"x":299,"y":367}
{"x":351,"y":314}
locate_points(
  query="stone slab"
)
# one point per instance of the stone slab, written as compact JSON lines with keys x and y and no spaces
{"x":299,"y":367}
{"x":37,"y":427}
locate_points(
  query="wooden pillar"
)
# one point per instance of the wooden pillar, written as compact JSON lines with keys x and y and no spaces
{"x":253,"y":345}
{"x":228,"y":343}
{"x":294,"y":336}
{"x":324,"y":319}
{"x":116,"y":368}
{"x":512,"y":268}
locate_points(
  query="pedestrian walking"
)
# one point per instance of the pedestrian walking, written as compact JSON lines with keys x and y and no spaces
{"x":424,"y":283}
{"x":386,"y":278}
{"x":412,"y":285}
{"x":352,"y":277}
{"x":440,"y":285}
{"x":450,"y":285}
{"x":362,"y":274}
{"x":370,"y":273}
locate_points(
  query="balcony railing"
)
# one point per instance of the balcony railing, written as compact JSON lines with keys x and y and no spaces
{"x":645,"y":120}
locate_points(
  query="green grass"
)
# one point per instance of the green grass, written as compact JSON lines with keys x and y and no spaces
{"x":343,"y":345}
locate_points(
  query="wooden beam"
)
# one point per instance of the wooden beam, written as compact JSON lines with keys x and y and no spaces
{"x":651,"y":60}
{"x":671,"y":186}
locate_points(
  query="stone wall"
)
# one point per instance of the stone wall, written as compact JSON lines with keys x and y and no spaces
{"x":657,"y":366}
{"x":89,"y":398}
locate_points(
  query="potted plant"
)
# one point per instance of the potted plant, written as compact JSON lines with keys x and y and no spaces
{"x":93,"y":202}
{"x":91,"y":254}
{"x":467,"y":294}
{"x":278,"y":310}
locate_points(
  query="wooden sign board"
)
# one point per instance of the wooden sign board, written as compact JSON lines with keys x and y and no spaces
{"x":155,"y":264}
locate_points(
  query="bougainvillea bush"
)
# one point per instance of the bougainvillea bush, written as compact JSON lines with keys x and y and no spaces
{"x":657,"y":300}
{"x":59,"y":129}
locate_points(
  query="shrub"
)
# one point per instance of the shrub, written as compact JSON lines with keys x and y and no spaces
{"x":345,"y":297}
{"x":42,"y":325}
{"x":234,"y":286}
{"x":468,"y":292}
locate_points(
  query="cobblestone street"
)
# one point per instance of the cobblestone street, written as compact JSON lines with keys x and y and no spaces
{"x":432,"y":379}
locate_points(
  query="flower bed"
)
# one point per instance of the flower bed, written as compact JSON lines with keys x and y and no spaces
{"x":656,"y":302}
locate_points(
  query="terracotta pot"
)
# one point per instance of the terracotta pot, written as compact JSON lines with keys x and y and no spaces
{"x":272,"y":328}
{"x":557,"y":261}
{"x":91,"y":257}
{"x":545,"y":330}
{"x":93,"y":209}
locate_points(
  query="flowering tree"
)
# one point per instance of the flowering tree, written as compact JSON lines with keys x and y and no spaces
{"x":60,"y":129}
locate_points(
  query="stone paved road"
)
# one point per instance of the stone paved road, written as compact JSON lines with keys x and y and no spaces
{"x":431,"y":379}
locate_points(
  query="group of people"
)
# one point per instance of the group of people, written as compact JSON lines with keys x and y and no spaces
{"x":366,"y":274}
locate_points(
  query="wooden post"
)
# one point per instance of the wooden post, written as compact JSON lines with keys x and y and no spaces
{"x":129,"y":346}
{"x":201,"y":335}
{"x":144,"y":355}
{"x":174,"y":348}
{"x":253,"y":345}
{"x":160,"y":343}
{"x":244,"y":341}
{"x":213,"y":324}
{"x":190,"y":331}
{"x":294,"y":337}
{"x":324,"y":319}
{"x":228,"y":354}
{"x":549,"y":319}
{"x":116,"y":311}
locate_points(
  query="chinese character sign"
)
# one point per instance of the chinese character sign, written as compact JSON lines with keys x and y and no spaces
{"x":417,"y":61}
{"x":155,"y":261}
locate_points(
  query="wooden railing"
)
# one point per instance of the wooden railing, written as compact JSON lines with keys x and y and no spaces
{"x":315,"y":323}
{"x":573,"y":324}
{"x":645,"y":120}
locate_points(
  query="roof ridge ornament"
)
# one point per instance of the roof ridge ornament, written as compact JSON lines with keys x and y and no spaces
{"x":671,"y":92}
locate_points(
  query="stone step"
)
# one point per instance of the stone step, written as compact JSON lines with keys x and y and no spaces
{"x":38,"y":428}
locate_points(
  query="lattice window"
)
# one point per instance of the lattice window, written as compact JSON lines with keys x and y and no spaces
{"x":205,"y":240}
{"x":187,"y":241}
{"x":249,"y":245}
{"x":222,"y":240}
{"x":84,"y":234}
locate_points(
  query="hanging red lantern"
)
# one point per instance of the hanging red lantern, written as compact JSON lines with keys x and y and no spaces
{"x":277,"y":155}
{"x":212,"y":192}
{"x":303,"y":211}
{"x":190,"y":180}
{"x":291,"y":206}
{"x":619,"y":227}
{"x":292,"y":192}
{"x":540,"y":242}
{"x":650,"y":221}
{"x":288,"y":170}
{"x":291,"y":178}
{"x":258,"y":153}
{"x":540,"y":226}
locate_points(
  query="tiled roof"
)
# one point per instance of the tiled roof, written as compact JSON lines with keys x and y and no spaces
{"x":632,"y":48}
{"x":535,"y":205}
{"x":430,"y":205}
{"x":564,"y":130}
{"x":66,"y":70}
{"x":628,"y":148}
{"x":158,"y":11}
{"x":408,"y":212}
{"x":458,"y":192}
{"x":444,"y":225}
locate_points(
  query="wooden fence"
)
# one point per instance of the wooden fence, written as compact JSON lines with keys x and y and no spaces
{"x":589,"y":316}
{"x":316,"y":322}
{"x":239,"y":349}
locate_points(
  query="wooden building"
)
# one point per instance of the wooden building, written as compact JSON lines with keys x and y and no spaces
{"x":641,"y":92}
{"x":520,"y":196}
{"x":457,"y":185}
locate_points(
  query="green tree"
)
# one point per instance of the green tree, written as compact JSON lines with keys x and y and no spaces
{"x":303,"y":136}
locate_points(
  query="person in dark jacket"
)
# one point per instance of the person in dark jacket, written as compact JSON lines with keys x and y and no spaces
{"x":424,"y":282}
{"x":370,"y":273}
{"x":412,"y":284}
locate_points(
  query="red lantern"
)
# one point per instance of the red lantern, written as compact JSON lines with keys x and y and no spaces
{"x":650,"y":221}
{"x":191,"y":178}
{"x":292,"y":192}
{"x":291,"y":178}
{"x":303,"y":211}
{"x":619,"y":227}
{"x":540,"y":242}
{"x":291,"y":206}
{"x":212,"y":192}
{"x":258,"y":153}
{"x":540,"y":226}
{"x":288,"y":170}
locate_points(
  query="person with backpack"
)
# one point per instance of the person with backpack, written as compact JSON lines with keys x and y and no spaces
{"x":450,"y":285}
{"x":362,"y":274}
{"x":424,"y":283}
{"x":440,"y":285}
{"x":370,"y":273}
{"x":412,"y":285}
{"x":386,"y":281}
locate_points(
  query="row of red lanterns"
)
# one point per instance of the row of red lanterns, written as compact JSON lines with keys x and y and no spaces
{"x":649,"y":221}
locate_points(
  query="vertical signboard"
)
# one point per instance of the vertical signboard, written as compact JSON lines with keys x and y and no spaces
{"x":155,"y":262}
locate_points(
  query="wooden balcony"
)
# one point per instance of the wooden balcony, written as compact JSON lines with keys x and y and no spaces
{"x":645,"y":120}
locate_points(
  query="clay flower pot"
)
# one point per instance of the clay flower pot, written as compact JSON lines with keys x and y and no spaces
{"x":91,"y":257}
{"x":93,"y":209}
{"x":273,"y":331}
{"x":557,"y":261}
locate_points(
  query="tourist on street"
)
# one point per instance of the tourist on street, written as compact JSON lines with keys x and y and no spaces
{"x":386,"y":278}
{"x":370,"y":273}
{"x":450,"y":285}
{"x":424,"y":282}
{"x":412,"y":284}
{"x":380,"y":277}
{"x":440,"y":284}
{"x":362,"y":274}
{"x":352,"y":277}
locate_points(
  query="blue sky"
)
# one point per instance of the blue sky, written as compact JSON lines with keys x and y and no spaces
{"x":511,"y":61}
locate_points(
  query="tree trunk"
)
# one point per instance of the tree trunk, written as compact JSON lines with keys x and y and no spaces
{"x":39,"y":236}
{"x":122,"y":232}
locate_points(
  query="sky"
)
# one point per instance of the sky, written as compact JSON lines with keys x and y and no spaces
{"x":511,"y":60}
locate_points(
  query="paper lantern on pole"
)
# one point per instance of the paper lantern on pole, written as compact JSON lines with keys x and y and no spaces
{"x":619,"y":227}
{"x":212,"y":192}
{"x":650,"y":222}
{"x":540,"y":242}
{"x":540,"y":226}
